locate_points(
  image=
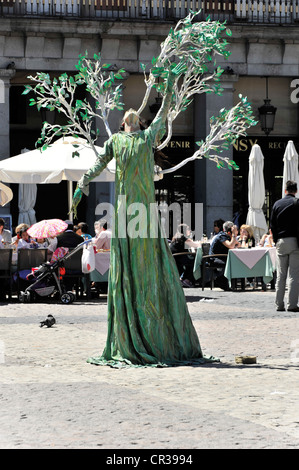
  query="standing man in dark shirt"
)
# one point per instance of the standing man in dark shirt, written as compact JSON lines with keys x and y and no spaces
{"x":284,"y":224}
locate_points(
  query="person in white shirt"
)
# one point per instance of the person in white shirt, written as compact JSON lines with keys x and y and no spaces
{"x":102,"y":240}
{"x":26,"y":241}
{"x":5,"y":235}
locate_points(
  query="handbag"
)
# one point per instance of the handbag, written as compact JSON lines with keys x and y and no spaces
{"x":88,"y":259}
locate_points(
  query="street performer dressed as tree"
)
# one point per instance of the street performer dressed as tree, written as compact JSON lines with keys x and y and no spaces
{"x":148,"y":319}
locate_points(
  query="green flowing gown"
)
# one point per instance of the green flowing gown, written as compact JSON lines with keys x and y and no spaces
{"x":148,"y":319}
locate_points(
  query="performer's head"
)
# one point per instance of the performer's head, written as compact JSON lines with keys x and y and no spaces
{"x":131,"y":120}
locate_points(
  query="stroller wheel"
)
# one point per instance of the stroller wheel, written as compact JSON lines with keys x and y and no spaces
{"x":66,"y":298}
{"x":24,"y":297}
{"x":73,"y":296}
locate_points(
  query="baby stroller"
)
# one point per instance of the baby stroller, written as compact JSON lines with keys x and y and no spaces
{"x":46,"y":280}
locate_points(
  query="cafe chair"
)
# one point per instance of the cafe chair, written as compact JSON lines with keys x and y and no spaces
{"x":28,"y":259}
{"x":74,"y":275}
{"x":180,"y":257}
{"x":209,"y":269}
{"x":6,"y":268}
{"x":205,"y":248}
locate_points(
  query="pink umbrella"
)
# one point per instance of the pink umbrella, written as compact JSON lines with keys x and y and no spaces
{"x":47,"y":228}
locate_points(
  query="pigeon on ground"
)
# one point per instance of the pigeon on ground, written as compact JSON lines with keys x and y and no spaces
{"x":49,"y":321}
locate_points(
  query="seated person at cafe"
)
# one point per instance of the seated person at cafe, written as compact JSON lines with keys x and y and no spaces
{"x":5,"y":235}
{"x":221,"y":243}
{"x":218,"y":226}
{"x":102,"y":240}
{"x":82,"y":229}
{"x":181,"y":243}
{"x":246,"y":240}
{"x":25,"y":240}
{"x":246,"y":236}
{"x":267,"y":239}
{"x":66,"y":239}
{"x":17,"y":237}
{"x":42,"y":242}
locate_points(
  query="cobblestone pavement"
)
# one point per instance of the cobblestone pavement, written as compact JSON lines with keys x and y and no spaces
{"x":51,"y":398}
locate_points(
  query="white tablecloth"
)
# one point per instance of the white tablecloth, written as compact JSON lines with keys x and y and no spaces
{"x":251,"y":256}
{"x":102,"y":261}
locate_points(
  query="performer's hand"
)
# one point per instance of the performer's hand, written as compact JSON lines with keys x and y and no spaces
{"x":76,"y":199}
{"x":179,"y":68}
{"x":77,"y":195}
{"x":175,"y":72}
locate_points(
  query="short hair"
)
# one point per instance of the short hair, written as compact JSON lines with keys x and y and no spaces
{"x":219,"y":223}
{"x":102,"y":223}
{"x":291,"y":186}
{"x":2,"y":222}
{"x":227,"y":226}
{"x":83,"y":226}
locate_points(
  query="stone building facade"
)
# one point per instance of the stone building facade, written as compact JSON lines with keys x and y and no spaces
{"x":49,"y":36}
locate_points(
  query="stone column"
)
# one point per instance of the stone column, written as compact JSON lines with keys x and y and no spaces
{"x":5,"y":77}
{"x":213,"y":186}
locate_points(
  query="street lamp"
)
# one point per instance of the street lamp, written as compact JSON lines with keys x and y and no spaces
{"x":267,"y":114}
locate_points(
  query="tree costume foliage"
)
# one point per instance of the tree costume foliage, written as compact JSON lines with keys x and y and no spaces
{"x":148,"y":320}
{"x":195,"y":45}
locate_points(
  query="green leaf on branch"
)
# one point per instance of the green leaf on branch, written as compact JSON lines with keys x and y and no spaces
{"x":28,"y":88}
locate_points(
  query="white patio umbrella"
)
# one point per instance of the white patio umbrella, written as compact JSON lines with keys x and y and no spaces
{"x":256,"y":193}
{"x":6,"y":194}
{"x":290,"y":165}
{"x":27,"y":200}
{"x":54,"y":165}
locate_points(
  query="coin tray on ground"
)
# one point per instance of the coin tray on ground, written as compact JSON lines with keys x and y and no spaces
{"x":245,"y":359}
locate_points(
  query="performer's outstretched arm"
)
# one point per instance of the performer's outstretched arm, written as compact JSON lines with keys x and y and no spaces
{"x":102,"y":161}
{"x":157,"y":127}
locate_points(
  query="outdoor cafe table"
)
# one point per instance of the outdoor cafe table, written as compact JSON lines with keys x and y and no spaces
{"x":197,"y":264}
{"x":102,"y":264}
{"x":254,"y":262}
